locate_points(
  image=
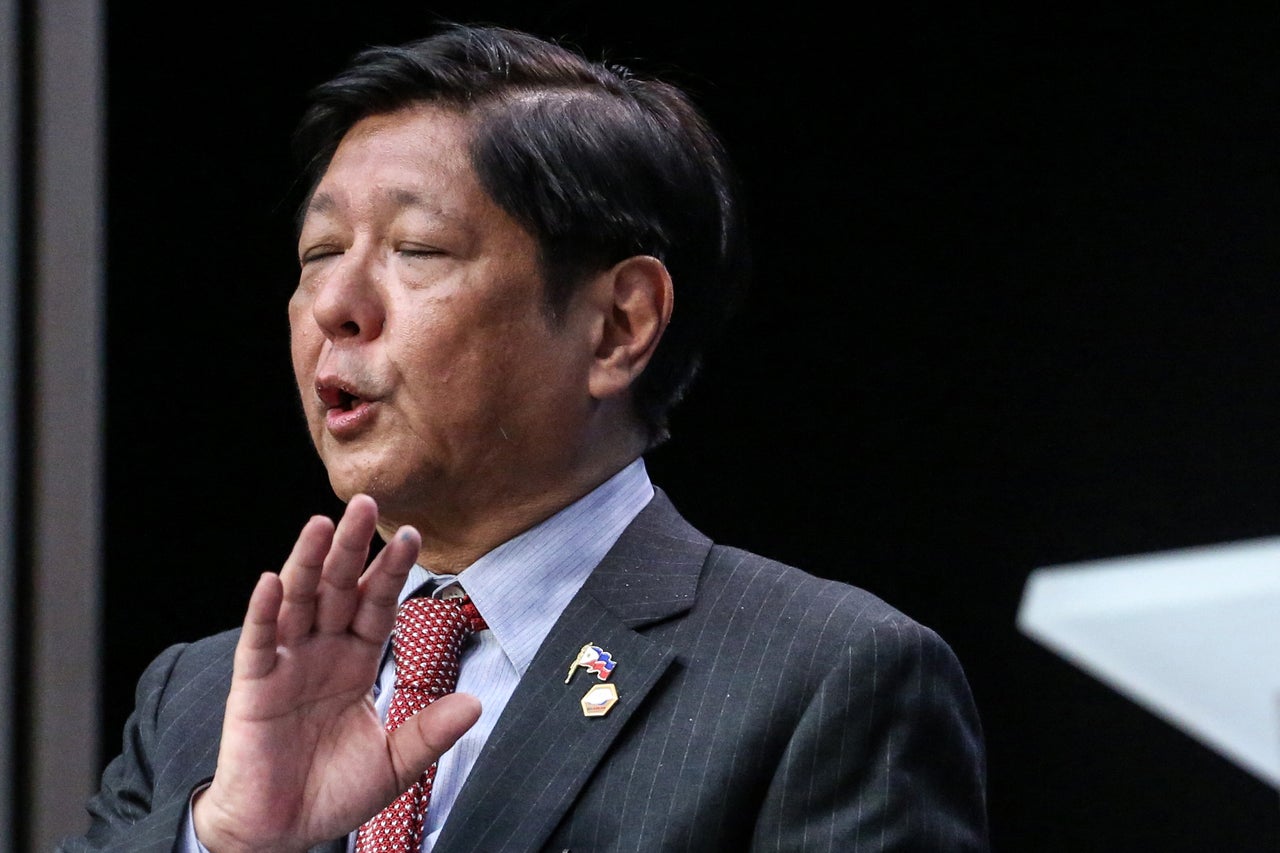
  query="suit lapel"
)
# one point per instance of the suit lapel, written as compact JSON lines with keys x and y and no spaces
{"x":543,"y":748}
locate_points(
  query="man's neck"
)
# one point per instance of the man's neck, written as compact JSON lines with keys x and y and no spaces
{"x":453,"y":541}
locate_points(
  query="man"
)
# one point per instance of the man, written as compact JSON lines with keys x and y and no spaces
{"x":510,"y":261}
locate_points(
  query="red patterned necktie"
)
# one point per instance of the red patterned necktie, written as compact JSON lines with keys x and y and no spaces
{"x":426,"y":642}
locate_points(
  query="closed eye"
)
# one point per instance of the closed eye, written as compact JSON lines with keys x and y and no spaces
{"x":418,"y":251}
{"x":318,"y":254}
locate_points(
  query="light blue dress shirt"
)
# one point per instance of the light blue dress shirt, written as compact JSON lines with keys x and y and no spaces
{"x":521,"y":588}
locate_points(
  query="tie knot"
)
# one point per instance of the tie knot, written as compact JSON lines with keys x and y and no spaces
{"x":428,"y":639}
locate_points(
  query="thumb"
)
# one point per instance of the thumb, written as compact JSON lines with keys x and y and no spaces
{"x":425,"y":736}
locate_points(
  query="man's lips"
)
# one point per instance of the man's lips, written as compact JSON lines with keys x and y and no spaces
{"x":346,"y":407}
{"x":338,"y":398}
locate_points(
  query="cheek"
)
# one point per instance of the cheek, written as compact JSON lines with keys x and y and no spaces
{"x":436,"y":346}
{"x":304,"y":350}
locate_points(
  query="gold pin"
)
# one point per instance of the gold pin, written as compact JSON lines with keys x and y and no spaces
{"x":599,"y":699}
{"x":594,"y":659}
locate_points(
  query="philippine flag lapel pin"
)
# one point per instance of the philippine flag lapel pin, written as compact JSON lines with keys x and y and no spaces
{"x":600,"y":697}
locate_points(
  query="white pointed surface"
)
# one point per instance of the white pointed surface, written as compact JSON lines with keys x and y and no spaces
{"x":1192,"y":635}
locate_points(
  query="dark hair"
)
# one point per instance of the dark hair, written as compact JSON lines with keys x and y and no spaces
{"x":597,"y":163}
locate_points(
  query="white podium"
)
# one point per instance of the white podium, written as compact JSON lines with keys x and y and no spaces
{"x":1192,"y":635}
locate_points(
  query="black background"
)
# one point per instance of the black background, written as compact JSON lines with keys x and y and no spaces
{"x":1014,"y":306}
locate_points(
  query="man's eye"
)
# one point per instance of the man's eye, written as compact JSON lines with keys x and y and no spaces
{"x":319,"y":254}
{"x":418,"y":251}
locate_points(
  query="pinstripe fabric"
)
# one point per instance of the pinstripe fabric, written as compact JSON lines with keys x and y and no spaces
{"x":522,"y":586}
{"x":760,"y":708}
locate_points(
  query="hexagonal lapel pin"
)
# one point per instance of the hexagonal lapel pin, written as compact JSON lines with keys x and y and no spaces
{"x":599,"y":699}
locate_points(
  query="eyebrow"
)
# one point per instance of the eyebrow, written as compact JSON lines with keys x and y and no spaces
{"x":323,"y":203}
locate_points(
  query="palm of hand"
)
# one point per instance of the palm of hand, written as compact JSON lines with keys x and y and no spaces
{"x":304,"y":757}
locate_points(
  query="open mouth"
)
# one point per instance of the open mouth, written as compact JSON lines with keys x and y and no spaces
{"x":339,"y":399}
{"x":346,"y":412}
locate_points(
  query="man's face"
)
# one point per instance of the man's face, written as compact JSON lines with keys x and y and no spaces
{"x":431,"y":376}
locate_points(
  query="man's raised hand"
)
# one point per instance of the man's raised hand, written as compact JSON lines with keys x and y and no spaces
{"x":304,"y":757}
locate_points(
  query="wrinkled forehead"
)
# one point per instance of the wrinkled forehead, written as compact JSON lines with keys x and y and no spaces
{"x":423,"y":137}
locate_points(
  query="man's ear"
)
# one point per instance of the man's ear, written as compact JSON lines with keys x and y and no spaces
{"x":634,"y":301}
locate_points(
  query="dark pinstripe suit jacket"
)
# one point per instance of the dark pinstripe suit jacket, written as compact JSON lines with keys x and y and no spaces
{"x":760,"y":708}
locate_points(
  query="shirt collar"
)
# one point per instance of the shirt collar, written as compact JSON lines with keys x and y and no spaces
{"x":522,"y":586}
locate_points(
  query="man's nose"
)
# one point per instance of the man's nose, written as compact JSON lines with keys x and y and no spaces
{"x":350,"y":301}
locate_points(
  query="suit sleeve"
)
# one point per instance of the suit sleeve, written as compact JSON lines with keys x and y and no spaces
{"x":887,"y":756}
{"x":124,"y":814}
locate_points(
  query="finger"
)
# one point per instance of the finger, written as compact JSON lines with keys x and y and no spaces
{"x":300,"y":578}
{"x":381,"y":584}
{"x":256,"y":649}
{"x":425,"y":736}
{"x":344,"y":564}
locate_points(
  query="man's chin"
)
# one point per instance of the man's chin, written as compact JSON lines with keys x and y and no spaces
{"x":347,"y":482}
{"x":389,"y":492}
